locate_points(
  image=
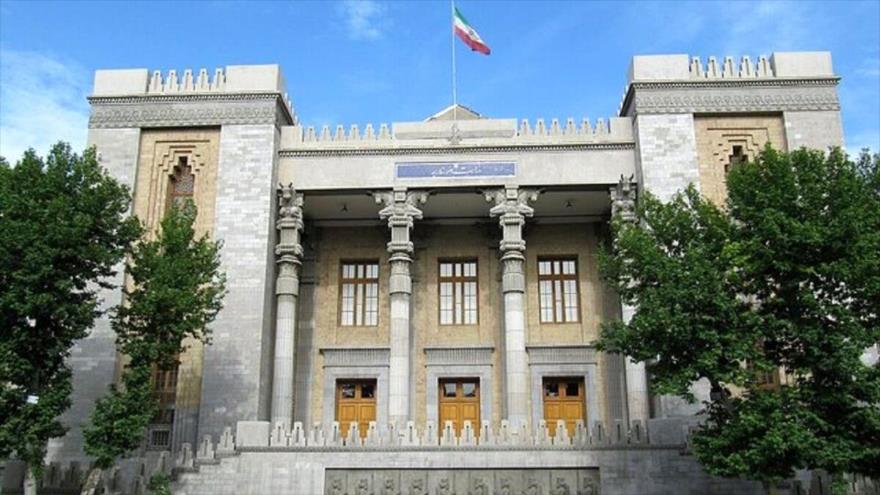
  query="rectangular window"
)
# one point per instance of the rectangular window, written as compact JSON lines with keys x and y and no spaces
{"x":558,"y":290}
{"x":359,"y":294}
{"x":458,"y":292}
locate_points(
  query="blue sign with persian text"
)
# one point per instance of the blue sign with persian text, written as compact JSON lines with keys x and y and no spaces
{"x":453,"y":170}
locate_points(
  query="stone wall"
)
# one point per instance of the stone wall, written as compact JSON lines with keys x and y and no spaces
{"x":93,"y":359}
{"x":666,"y":151}
{"x":817,"y":129}
{"x":237,"y":366}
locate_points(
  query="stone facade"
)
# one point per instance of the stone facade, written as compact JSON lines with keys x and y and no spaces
{"x":294,"y":205}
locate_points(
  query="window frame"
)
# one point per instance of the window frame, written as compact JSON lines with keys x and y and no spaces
{"x":357,"y":281}
{"x":562,"y":278}
{"x":453,"y":279}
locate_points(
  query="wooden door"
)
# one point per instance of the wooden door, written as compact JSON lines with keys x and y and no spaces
{"x":563,"y":399}
{"x":460,"y":402}
{"x":355,"y":402}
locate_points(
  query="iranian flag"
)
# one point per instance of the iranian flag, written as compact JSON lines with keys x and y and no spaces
{"x":468,"y":34}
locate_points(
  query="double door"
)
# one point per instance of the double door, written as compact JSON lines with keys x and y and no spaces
{"x":563,"y":399}
{"x":460,"y":402}
{"x":355,"y":403}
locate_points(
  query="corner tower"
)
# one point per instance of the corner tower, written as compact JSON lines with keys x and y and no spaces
{"x":693,"y":120}
{"x":213,"y":139}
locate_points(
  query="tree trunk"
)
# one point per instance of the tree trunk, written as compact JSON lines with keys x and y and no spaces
{"x":30,"y":482}
{"x":90,"y":487}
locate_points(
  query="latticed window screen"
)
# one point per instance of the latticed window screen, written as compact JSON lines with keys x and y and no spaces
{"x":458,"y":292}
{"x":165,"y":393}
{"x":359,"y":290}
{"x":182,"y":183}
{"x":558,"y":290}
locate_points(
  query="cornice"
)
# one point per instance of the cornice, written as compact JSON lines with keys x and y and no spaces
{"x":733,"y":95}
{"x":183,"y":97}
{"x":189,"y":110}
{"x":452,"y":149}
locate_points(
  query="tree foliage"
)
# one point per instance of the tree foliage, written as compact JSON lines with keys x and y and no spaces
{"x":63,"y":228}
{"x":176,"y":290}
{"x":786,"y":276}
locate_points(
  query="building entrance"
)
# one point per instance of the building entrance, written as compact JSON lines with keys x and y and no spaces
{"x":563,"y":399}
{"x":355,"y":402}
{"x":460,"y":402}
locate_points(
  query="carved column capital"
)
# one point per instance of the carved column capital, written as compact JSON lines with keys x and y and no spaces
{"x":289,"y":249}
{"x":401,"y":210}
{"x":623,"y":199}
{"x":511,"y":206}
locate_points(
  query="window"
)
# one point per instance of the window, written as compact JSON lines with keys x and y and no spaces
{"x":164,"y":393}
{"x":558,"y":290}
{"x":765,"y":379}
{"x":737,"y":156}
{"x":458,"y":292}
{"x":182,"y":183}
{"x":359,"y":292}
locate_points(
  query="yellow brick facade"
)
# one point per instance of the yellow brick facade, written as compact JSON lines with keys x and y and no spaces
{"x":716,"y":137}
{"x":159,"y":153}
{"x":434,"y":243}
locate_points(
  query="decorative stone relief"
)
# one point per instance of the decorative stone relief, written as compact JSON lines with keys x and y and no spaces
{"x":623,"y":199}
{"x":561,"y":354}
{"x":186,"y":111}
{"x":462,"y":482}
{"x":355,"y":356}
{"x":703,"y":98}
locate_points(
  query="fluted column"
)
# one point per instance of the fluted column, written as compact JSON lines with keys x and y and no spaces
{"x":289,"y":252}
{"x":400,"y":211}
{"x":511,"y":208}
{"x":623,"y":205}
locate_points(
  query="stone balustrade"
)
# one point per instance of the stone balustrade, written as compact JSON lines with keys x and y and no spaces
{"x":259,"y":435}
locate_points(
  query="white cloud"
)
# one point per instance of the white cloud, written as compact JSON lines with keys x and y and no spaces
{"x":364,"y":19}
{"x":42,"y":101}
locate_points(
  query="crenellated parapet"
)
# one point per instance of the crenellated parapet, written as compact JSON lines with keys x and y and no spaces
{"x":260,"y":435}
{"x":603,"y":133}
{"x":238,"y":94}
{"x":784,"y":81}
{"x":728,"y":68}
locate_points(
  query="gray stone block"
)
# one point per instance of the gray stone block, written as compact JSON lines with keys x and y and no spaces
{"x":252,"y":434}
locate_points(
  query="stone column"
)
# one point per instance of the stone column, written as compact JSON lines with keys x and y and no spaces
{"x":511,"y":208}
{"x":400,"y":210}
{"x":623,"y":205}
{"x":289,"y":251}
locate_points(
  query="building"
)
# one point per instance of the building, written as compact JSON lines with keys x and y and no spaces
{"x":413,"y":307}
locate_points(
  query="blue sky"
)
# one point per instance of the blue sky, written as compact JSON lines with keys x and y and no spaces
{"x":367,"y":61}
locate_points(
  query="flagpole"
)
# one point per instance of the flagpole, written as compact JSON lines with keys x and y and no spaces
{"x":452,"y":32}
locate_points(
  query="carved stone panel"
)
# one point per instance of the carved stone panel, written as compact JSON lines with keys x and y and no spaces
{"x":462,"y":482}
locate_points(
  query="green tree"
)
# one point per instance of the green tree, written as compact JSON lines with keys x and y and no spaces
{"x":787,"y":276}
{"x":176,"y":290}
{"x":63,"y":228}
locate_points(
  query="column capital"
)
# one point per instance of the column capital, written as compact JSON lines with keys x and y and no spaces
{"x":623,"y":199}
{"x":511,"y":206}
{"x":511,"y":201}
{"x":289,"y":249}
{"x":401,"y":210}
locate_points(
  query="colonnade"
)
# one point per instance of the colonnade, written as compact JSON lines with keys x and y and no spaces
{"x":401,"y":208}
